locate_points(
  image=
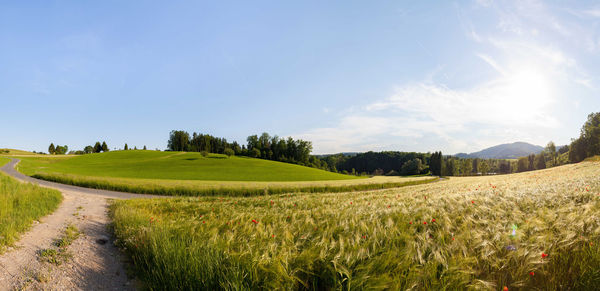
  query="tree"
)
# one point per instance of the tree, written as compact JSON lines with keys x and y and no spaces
{"x":97,"y":147}
{"x":540,"y":161}
{"x":577,"y":150}
{"x":61,"y":150}
{"x":88,"y":149}
{"x":591,"y":134}
{"x":104,"y":147}
{"x":435,"y":164}
{"x":126,"y":147}
{"x":412,"y":167}
{"x":551,"y":150}
{"x":51,"y":149}
{"x":523,"y":164}
{"x":531,"y":159}
{"x":484,"y":167}
{"x":178,"y":140}
{"x":229,"y":152}
{"x":144,"y":147}
{"x":466,"y":167}
{"x":255,"y":153}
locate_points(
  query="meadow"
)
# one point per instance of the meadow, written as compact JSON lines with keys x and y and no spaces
{"x":20,"y":205}
{"x":191,"y":174}
{"x":533,"y":230}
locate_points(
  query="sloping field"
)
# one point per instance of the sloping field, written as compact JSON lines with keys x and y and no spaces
{"x":175,"y":166}
{"x":176,"y":173}
{"x":454,"y":235}
{"x":14,"y":152}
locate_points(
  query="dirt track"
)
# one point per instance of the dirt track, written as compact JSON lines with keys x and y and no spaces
{"x":93,"y":266}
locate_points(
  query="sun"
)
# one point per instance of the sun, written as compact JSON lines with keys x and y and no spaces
{"x":529,"y":88}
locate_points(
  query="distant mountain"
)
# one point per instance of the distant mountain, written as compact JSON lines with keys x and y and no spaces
{"x":505,"y":151}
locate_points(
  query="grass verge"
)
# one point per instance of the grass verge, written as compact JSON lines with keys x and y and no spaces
{"x":20,"y":205}
{"x":137,"y":186}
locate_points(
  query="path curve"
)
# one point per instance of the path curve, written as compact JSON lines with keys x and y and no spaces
{"x":10,"y":169}
{"x":93,"y":266}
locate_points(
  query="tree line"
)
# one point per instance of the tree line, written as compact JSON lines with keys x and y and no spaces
{"x":96,"y":148}
{"x":588,"y":142}
{"x":267,"y":147}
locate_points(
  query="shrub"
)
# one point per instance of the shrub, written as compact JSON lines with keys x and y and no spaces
{"x":229,"y":152}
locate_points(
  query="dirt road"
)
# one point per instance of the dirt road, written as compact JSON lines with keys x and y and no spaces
{"x":91,"y":265}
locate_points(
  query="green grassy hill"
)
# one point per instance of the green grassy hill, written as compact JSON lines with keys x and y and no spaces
{"x":178,"y":173}
{"x":175,"y":166}
{"x":15,"y":152}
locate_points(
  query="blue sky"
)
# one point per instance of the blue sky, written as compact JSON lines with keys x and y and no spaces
{"x":347,"y":75}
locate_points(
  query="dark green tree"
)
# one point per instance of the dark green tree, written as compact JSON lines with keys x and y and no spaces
{"x":104,"y":147}
{"x":126,"y":147}
{"x":51,"y":149}
{"x":178,"y":141}
{"x":97,"y":147}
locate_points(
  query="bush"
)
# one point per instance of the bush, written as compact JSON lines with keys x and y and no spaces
{"x":229,"y":152}
{"x":204,"y":153}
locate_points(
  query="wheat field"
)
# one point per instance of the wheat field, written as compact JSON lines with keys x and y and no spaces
{"x":533,"y":230}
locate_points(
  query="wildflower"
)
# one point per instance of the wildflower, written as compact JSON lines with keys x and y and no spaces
{"x":254,"y":221}
{"x":364,"y":236}
{"x":472,"y":201}
{"x":389,"y":206}
{"x":410,"y":222}
{"x":544,"y":255}
{"x":505,"y":288}
{"x":433,"y":220}
{"x":273,"y":235}
{"x":531,"y":273}
{"x":424,"y":222}
{"x":452,"y":238}
{"x":350,"y":202}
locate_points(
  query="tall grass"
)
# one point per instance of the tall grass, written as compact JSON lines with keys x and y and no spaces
{"x":452,"y":235}
{"x":20,"y":205}
{"x":190,"y":189}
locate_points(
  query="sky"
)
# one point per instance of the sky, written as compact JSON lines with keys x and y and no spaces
{"x":350,"y":76}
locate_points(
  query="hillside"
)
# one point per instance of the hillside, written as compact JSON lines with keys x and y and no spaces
{"x":15,"y":152}
{"x":175,"y":166}
{"x":504,"y":151}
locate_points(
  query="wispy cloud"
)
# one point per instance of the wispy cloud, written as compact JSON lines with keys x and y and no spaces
{"x":519,"y":103}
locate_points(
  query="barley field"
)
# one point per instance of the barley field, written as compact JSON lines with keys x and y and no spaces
{"x":533,"y":230}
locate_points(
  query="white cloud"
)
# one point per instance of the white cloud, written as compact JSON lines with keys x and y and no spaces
{"x":526,"y":47}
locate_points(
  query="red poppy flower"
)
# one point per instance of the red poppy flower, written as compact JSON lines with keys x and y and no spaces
{"x":364,"y":236}
{"x":410,"y":222}
{"x":452,"y":238}
{"x":531,"y":273}
{"x":544,"y":255}
{"x":472,"y":201}
{"x":389,"y":206}
{"x":424,"y":222}
{"x":273,"y":235}
{"x":350,"y":202}
{"x":505,"y":288}
{"x":433,"y":220}
{"x":254,"y":220}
